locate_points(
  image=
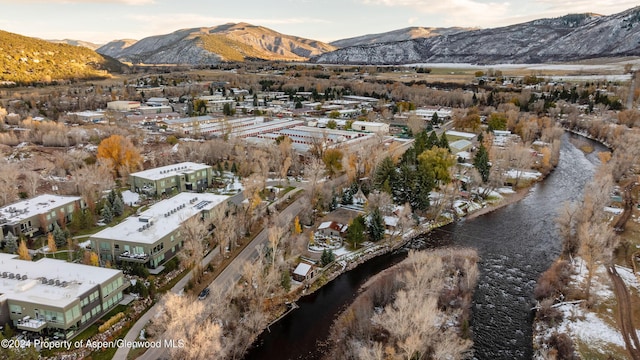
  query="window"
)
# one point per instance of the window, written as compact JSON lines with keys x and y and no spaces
{"x":15,"y":309}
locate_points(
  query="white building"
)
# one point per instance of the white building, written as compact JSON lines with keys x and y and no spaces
{"x":154,"y":236}
{"x":55,"y":297}
{"x":370,"y":126}
{"x":123,"y":105}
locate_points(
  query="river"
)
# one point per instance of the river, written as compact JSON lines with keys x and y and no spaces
{"x":515,"y":243}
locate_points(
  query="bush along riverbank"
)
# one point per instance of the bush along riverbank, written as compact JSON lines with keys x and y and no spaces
{"x":419,"y":308}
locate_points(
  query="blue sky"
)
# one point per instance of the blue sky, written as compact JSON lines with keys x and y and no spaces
{"x":101,"y":21}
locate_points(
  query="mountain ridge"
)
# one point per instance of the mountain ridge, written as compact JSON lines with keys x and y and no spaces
{"x":567,"y":38}
{"x":211,"y":45}
{"x":408,"y":33}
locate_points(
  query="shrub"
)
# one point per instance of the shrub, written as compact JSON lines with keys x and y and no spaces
{"x":563,"y":344}
{"x":553,"y":281}
{"x":549,"y":314}
{"x":114,"y":319}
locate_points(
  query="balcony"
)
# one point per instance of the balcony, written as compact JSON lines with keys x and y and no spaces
{"x":139,"y":258}
{"x":29,"y":324}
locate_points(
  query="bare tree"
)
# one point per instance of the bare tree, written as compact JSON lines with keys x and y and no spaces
{"x":596,"y":246}
{"x":193,"y":232}
{"x":381,"y":201}
{"x":416,"y":124}
{"x":520,"y":159}
{"x":567,"y":221}
{"x":31,"y":182}
{"x":276,"y":234}
{"x":182,"y":319}
{"x":8,"y":184}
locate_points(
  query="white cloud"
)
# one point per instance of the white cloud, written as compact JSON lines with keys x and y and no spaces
{"x":605,"y":7}
{"x":453,"y":12}
{"x":501,"y":12}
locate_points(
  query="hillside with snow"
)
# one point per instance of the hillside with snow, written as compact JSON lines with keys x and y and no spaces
{"x":568,"y":38}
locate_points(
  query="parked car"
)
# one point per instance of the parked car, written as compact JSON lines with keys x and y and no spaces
{"x":203,"y":294}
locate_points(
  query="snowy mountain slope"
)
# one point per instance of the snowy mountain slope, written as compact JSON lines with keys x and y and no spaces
{"x":572,"y":37}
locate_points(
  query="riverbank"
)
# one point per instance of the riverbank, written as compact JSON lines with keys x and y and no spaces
{"x":505,"y":201}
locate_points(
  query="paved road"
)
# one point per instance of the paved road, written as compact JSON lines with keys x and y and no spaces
{"x":225,"y":280}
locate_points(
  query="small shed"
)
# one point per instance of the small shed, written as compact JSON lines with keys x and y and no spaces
{"x":303,"y":272}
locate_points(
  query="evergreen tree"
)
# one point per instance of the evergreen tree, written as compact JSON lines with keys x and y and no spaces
{"x":376,"y":225}
{"x":481,"y":163}
{"x":384,"y":173}
{"x":106,"y":214}
{"x":118,"y":206}
{"x":355,"y":232}
{"x":334,"y":201}
{"x":432,"y":141}
{"x":347,"y":198}
{"x":59,"y":236}
{"x":11,"y":243}
{"x":327,"y":257}
{"x":111,"y":197}
{"x":434,"y":119}
{"x":285,"y":280}
{"x":444,"y":143}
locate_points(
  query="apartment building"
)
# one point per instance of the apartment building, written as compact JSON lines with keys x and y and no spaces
{"x":56,"y":298}
{"x":186,"y":176}
{"x":154,"y":236}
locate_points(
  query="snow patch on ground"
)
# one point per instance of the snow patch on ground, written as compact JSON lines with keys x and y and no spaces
{"x":588,"y":327}
{"x":130,"y":198}
{"x":523,"y":174}
{"x":613,"y":210}
{"x":629,"y":278}
{"x":579,"y":323}
{"x":506,"y":190}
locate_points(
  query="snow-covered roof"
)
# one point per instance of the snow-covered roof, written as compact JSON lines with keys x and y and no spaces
{"x":161,"y":219}
{"x":460,"y":144}
{"x":369,"y":123}
{"x":302,"y":269}
{"x":170,"y":170}
{"x":324,"y":225}
{"x":465,"y":135}
{"x":79,"y":279}
{"x":391,"y":221}
{"x":29,"y":208}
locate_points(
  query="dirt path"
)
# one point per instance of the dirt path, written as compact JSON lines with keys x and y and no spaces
{"x":625,"y":320}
